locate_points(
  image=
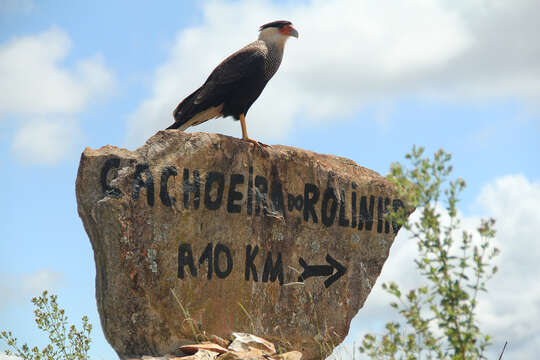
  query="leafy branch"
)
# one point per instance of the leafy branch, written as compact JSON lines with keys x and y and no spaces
{"x":64,"y":343}
{"x":440,"y":316}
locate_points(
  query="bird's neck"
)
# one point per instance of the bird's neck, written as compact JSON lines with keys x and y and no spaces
{"x":274,"y":41}
{"x":273,"y":60}
{"x":275,"y":48}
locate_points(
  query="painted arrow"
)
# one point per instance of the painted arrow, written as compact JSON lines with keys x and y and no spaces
{"x":322,"y":270}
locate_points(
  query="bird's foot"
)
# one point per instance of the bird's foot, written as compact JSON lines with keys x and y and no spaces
{"x":256,"y":143}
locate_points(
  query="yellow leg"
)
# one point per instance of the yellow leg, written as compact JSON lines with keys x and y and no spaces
{"x":245,"y":134}
{"x":244,"y":130}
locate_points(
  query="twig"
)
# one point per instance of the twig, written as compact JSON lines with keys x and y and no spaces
{"x":502,"y":352}
{"x":249,"y":317}
{"x":187,"y":316}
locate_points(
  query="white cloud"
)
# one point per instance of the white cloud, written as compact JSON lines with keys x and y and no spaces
{"x":36,"y":83}
{"x":17,"y":288}
{"x":3,"y":356}
{"x":514,"y":298}
{"x":45,"y":141}
{"x":352,"y":53}
{"x":511,"y":308}
{"x":328,"y":47}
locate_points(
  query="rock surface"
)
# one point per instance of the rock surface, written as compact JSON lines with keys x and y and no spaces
{"x":199,"y":234}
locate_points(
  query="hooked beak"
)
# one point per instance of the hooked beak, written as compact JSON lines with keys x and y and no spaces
{"x":293,"y":32}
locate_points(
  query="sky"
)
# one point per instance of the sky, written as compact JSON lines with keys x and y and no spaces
{"x":366,"y":80}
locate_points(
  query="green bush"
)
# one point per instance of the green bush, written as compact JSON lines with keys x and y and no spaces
{"x":440,"y":316}
{"x":64,"y":343}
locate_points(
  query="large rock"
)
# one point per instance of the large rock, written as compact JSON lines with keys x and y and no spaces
{"x":198,"y":234}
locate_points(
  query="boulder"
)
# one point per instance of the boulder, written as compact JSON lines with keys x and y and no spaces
{"x":198,"y":235}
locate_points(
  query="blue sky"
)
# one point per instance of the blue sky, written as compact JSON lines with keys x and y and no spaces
{"x":365,"y":80}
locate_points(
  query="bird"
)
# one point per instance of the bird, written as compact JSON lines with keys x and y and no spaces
{"x":235,"y":84}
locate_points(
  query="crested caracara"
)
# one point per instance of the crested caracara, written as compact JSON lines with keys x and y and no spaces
{"x":237,"y":82}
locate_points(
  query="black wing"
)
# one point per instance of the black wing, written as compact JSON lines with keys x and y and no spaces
{"x":241,"y":67}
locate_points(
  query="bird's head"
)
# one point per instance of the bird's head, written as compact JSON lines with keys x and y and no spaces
{"x":277,"y":31}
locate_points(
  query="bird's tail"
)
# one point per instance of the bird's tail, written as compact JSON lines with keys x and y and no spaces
{"x":179,"y":126}
{"x":183,"y":112}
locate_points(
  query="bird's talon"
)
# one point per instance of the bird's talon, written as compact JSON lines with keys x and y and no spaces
{"x":256,"y":143}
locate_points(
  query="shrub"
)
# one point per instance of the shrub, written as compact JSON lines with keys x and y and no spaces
{"x":440,"y":316}
{"x":64,"y":343}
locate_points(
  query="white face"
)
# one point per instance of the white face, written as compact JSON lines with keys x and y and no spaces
{"x":272,"y":34}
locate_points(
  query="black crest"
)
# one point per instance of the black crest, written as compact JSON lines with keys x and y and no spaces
{"x":276,"y":24}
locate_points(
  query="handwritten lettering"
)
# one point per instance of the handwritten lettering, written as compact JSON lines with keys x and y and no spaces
{"x":256,"y":196}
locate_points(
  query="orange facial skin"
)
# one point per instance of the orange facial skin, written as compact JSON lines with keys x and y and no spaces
{"x":289,"y":31}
